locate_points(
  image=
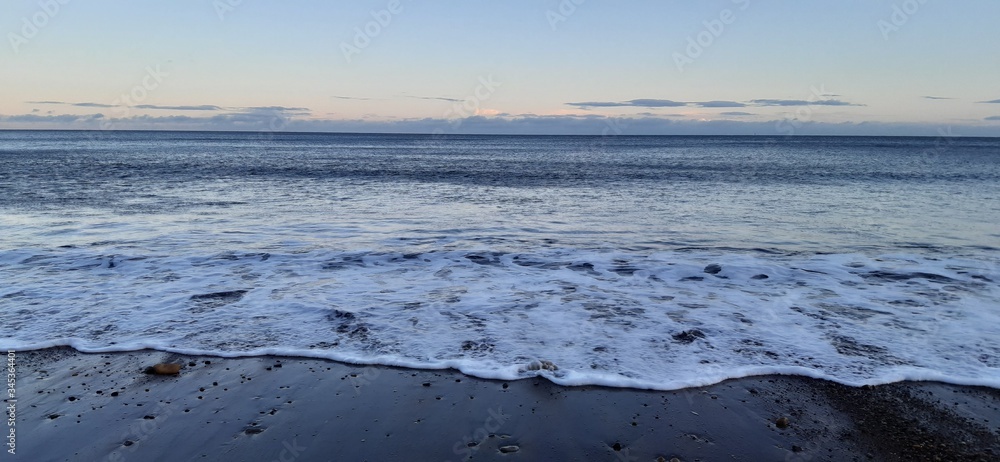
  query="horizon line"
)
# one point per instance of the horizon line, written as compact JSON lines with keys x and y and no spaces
{"x":445,"y":135}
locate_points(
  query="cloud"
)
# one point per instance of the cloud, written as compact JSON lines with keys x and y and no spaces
{"x":719,"y":104}
{"x":101,"y":105}
{"x":63,"y":103}
{"x":996,"y":101}
{"x":650,"y":114}
{"x":351,"y":98}
{"x":205,"y":107}
{"x":799,"y":102}
{"x":647,"y":103}
{"x":936,"y":97}
{"x":736,"y":114}
{"x":270,"y":113}
{"x":51,"y":119}
{"x":658,"y":103}
{"x":993,"y":118}
{"x":525,"y":124}
{"x":655,"y":103}
{"x":274,"y":109}
{"x":202,"y":107}
{"x":587,"y":104}
{"x":439,"y":98}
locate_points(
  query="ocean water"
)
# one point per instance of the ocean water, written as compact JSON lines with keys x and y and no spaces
{"x":648,"y":262}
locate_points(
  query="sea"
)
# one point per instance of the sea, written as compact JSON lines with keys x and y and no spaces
{"x":641,"y":262}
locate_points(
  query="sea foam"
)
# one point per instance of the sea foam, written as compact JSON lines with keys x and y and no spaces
{"x":658,"y":320}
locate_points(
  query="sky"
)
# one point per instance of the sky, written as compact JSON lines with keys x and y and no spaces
{"x":600,"y":67}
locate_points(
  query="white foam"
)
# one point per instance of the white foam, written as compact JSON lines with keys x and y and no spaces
{"x":656,"y":321}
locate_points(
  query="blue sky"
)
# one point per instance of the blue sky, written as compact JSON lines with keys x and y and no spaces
{"x":904,"y":67}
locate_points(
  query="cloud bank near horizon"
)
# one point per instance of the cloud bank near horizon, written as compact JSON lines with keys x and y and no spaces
{"x":278,"y":120}
{"x":661,"y":103}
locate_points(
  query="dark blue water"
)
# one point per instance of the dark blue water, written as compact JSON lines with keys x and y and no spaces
{"x":861,"y":259}
{"x":815,"y":193}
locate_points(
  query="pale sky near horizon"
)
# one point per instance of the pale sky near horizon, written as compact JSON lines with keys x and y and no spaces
{"x":903,"y":67}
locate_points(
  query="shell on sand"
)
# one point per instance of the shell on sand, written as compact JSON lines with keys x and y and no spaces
{"x":165,"y":369}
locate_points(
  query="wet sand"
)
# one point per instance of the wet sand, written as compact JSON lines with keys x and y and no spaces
{"x":102,"y":407}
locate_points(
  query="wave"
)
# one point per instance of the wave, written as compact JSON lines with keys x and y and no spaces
{"x":656,"y":320}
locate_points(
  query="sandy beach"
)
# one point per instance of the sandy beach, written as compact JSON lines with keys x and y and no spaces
{"x":103,"y":407}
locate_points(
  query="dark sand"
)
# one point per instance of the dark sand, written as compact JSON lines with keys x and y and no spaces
{"x":74,"y":406}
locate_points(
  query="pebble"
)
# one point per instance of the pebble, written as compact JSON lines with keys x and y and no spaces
{"x":164,"y":369}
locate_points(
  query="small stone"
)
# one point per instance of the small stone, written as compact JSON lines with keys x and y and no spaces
{"x":164,"y":369}
{"x":128,"y":443}
{"x":796,"y":448}
{"x":427,"y":384}
{"x":253,"y":430}
{"x":782,"y":422}
{"x":148,"y":417}
{"x":616,"y":446}
{"x":114,"y":393}
{"x":689,"y":336}
{"x":509,"y":449}
{"x":714,"y":268}
{"x":760,"y":276}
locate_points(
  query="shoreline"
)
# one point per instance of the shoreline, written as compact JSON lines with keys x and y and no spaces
{"x":101,"y":406}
